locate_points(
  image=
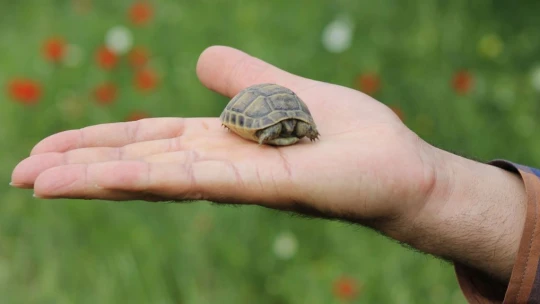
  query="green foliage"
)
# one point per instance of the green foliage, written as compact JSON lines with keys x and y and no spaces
{"x":71,"y":251}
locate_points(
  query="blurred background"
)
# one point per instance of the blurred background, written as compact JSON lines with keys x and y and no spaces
{"x":464,"y":75}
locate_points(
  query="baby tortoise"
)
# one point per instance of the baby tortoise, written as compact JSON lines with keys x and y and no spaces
{"x":269,"y":114}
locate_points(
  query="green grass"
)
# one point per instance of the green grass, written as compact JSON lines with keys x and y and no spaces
{"x":71,"y":251}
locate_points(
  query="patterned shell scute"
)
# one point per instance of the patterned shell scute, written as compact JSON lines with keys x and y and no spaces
{"x":263,"y":105}
{"x":258,"y":108}
{"x":284,"y":102}
{"x":241,"y":102}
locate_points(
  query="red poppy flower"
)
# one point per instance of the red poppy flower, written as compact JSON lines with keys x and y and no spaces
{"x":398,"y":112}
{"x":146,"y":79}
{"x":138,"y":57}
{"x":54,"y":49}
{"x":369,"y":83}
{"x":345,"y":288}
{"x":25,"y":91}
{"x":137,"y":115}
{"x":462,"y":82}
{"x":140,"y":12}
{"x":105,"y":93}
{"x":105,"y":58}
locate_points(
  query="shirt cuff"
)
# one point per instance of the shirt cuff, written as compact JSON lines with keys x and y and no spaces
{"x":524,"y":285}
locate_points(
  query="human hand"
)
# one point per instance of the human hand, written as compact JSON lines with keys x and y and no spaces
{"x":367,"y":167}
{"x":364,"y":151}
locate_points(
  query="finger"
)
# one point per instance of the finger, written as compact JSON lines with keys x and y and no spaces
{"x":26,"y":171}
{"x":123,"y":133}
{"x":166,"y":150}
{"x":220,"y":181}
{"x":228,"y":71}
{"x":211,"y":140}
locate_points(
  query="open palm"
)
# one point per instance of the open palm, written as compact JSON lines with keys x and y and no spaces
{"x":367,"y":165}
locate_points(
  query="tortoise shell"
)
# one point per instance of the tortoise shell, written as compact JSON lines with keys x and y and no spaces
{"x":261,"y":106}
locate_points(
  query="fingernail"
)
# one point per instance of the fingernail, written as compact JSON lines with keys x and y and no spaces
{"x":36,"y":196}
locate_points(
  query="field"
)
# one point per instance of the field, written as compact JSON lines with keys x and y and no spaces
{"x":464,"y":75}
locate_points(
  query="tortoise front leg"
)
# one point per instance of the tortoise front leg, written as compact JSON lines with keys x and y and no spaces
{"x":270,"y":133}
{"x":305,"y":129}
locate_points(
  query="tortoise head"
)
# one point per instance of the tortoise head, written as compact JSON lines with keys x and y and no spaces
{"x":287,"y":132}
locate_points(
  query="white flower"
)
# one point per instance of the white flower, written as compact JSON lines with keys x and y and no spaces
{"x":73,"y":57}
{"x":337,"y":35}
{"x":285,"y":245}
{"x":535,"y":78}
{"x":119,"y":40}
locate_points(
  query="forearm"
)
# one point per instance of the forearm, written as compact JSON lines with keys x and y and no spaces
{"x":475,"y":217}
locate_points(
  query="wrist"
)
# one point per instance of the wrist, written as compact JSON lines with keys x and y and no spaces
{"x":474,"y":215}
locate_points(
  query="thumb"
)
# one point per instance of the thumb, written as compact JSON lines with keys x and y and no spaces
{"x":227,"y":71}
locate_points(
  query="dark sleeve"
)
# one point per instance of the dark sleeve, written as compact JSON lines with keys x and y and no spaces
{"x":524,"y":285}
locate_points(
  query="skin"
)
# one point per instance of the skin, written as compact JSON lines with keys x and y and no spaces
{"x":368,"y":168}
